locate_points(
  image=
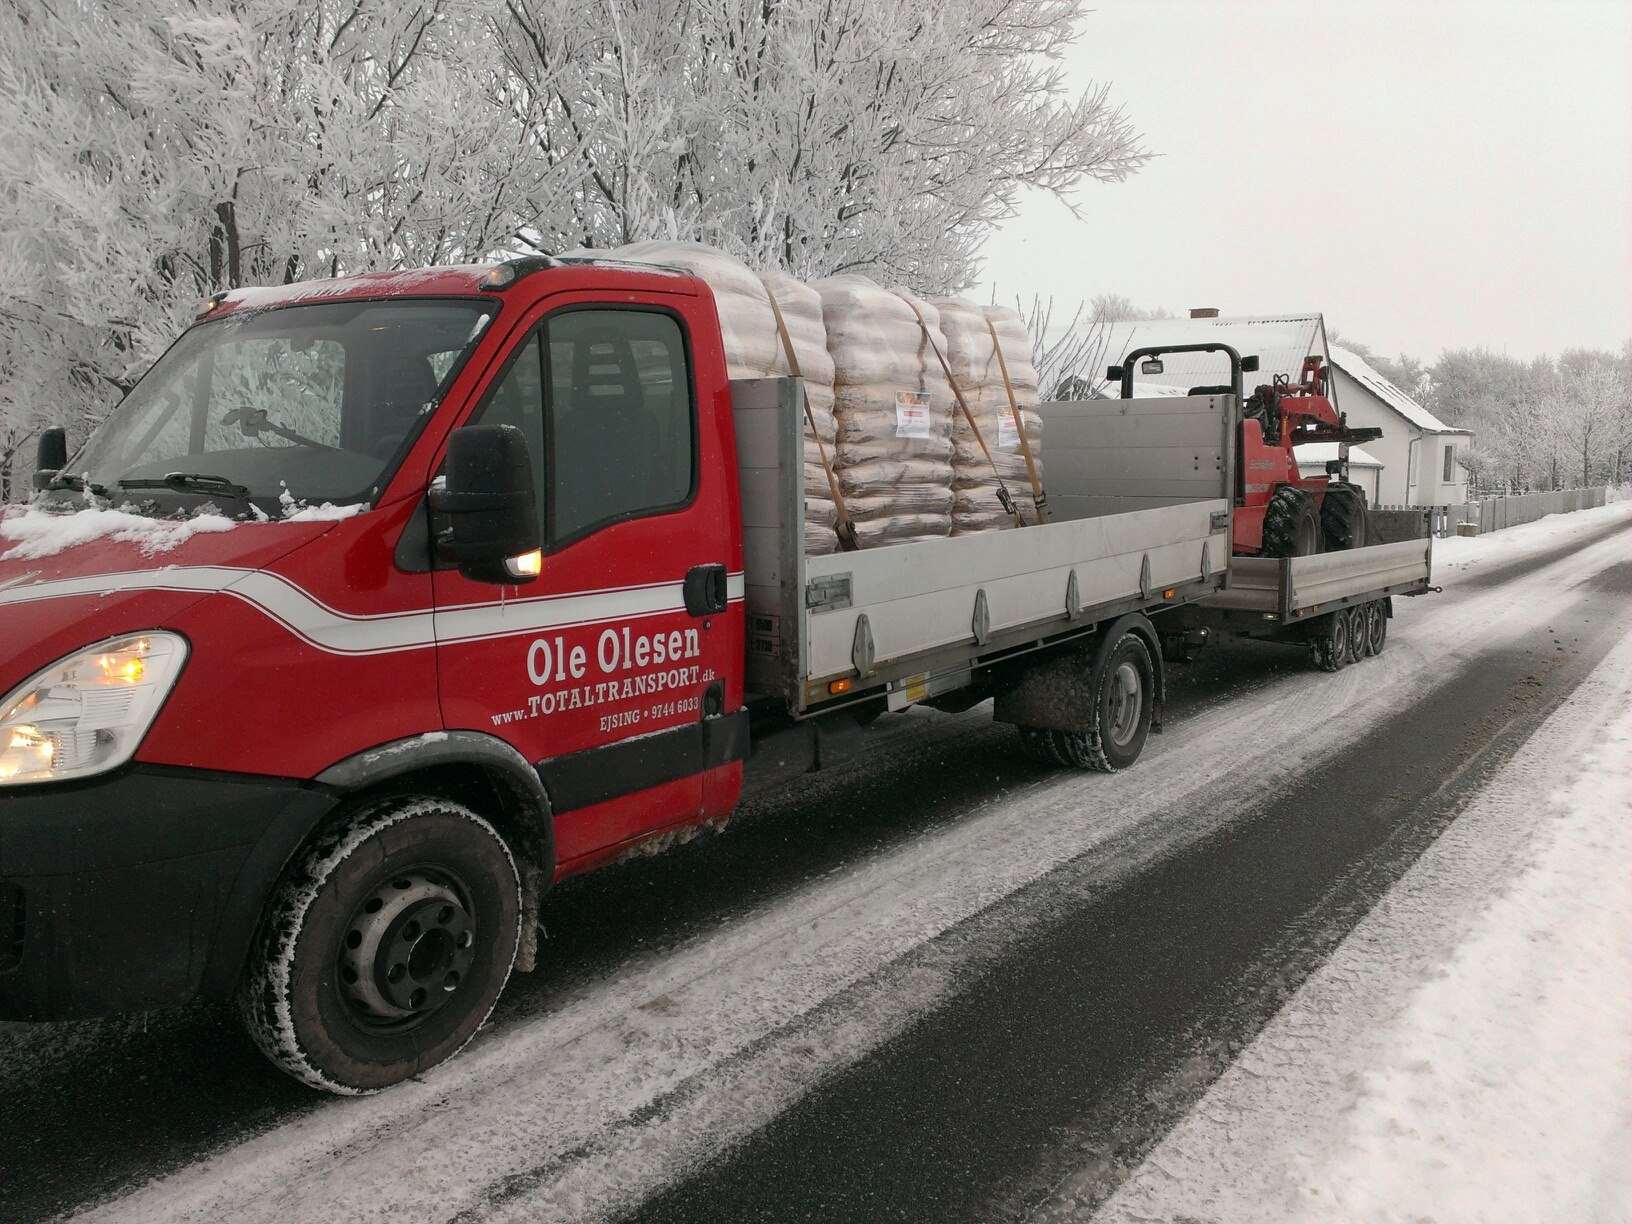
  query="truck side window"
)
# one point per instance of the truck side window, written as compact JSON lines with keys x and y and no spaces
{"x":604,"y":401}
{"x":619,"y":418}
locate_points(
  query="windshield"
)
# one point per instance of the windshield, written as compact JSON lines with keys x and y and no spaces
{"x":320,"y":400}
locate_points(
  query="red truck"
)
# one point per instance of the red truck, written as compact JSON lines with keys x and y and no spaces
{"x":380,"y":604}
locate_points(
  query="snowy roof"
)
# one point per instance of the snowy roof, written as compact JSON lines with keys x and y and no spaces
{"x":1315,"y":454}
{"x":1280,"y":342}
{"x":1359,"y":369}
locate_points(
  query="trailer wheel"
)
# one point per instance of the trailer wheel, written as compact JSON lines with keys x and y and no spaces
{"x":1123,"y":698}
{"x":1329,"y":642}
{"x":1376,"y":627}
{"x":1359,"y":633}
{"x":1343,"y":517}
{"x":385,"y":947}
{"x":1291,"y":524}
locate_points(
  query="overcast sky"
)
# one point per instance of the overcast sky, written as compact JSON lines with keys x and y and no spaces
{"x":1430,"y":174}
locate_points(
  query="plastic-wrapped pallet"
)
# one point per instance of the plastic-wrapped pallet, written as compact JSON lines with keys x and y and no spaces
{"x":974,"y":357}
{"x":754,"y":349}
{"x":893,"y":411}
{"x":801,"y":308}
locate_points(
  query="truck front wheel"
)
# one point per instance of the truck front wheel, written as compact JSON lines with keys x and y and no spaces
{"x":385,"y":947}
{"x":1119,"y":720}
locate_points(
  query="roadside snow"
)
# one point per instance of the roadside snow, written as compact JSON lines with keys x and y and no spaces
{"x":1464,"y":1055}
{"x":34,"y":533}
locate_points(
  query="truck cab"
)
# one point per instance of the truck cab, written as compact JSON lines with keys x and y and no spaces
{"x":241,"y":615}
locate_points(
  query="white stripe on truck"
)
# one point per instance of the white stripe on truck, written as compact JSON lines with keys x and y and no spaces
{"x":345,"y":633}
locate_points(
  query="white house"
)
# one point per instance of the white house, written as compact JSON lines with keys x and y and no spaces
{"x":1420,"y":454}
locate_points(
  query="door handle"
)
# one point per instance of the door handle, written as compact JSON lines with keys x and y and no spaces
{"x":704,"y":590}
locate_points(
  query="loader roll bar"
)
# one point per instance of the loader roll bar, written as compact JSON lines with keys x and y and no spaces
{"x":1238,"y":364}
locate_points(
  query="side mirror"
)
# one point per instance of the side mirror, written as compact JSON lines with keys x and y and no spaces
{"x":1249,"y":365}
{"x":487,"y":496}
{"x":1113,"y":373}
{"x":1151,"y":365}
{"x":51,"y":457}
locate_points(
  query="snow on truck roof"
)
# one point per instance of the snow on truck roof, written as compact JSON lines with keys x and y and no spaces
{"x":1359,"y":369}
{"x":459,"y":280}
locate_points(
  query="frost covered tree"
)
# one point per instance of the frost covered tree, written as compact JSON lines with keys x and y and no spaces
{"x":1589,"y":408}
{"x":151,"y":154}
{"x":817,"y":135}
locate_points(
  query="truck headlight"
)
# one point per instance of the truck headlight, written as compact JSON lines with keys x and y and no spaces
{"x":86,"y":714}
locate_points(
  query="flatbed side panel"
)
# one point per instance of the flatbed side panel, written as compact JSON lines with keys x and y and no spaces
{"x":1327,"y":578}
{"x":923,"y":596}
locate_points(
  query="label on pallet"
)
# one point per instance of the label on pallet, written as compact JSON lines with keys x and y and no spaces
{"x":912,"y":414}
{"x":1008,"y":437}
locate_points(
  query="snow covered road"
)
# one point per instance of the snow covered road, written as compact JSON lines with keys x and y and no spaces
{"x":946,"y":984}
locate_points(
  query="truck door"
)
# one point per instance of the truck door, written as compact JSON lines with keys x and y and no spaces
{"x":601,"y":671}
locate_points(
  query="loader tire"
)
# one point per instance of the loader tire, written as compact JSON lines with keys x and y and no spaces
{"x":1343,"y":517}
{"x":1291,"y":524}
{"x":1119,"y":719}
{"x":385,"y":947}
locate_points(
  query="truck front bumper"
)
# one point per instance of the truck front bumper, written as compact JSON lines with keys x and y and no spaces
{"x":138,"y":889}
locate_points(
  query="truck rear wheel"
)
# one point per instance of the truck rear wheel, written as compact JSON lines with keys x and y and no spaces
{"x":1119,"y":719}
{"x":1291,"y":524}
{"x":385,"y":947}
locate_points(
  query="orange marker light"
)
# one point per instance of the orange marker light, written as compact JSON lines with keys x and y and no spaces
{"x":839,"y":686}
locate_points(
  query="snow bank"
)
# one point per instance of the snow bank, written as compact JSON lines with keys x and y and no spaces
{"x":1463,"y":1055}
{"x":1507,"y":1094}
{"x":33,"y":533}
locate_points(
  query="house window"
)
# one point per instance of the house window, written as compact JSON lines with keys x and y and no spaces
{"x":1450,"y":463}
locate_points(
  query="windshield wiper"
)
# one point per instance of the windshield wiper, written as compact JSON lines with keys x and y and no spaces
{"x":66,"y":480}
{"x":192,"y":482}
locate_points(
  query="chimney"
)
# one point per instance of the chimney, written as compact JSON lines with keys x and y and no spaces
{"x":1204,"y":312}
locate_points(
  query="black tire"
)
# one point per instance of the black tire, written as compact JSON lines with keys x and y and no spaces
{"x":1291,"y":524}
{"x":1343,"y":517}
{"x":1376,"y":627}
{"x":385,"y":947}
{"x":1329,"y":643}
{"x":1123,"y":701}
{"x":1038,"y":744}
{"x":1357,"y":633}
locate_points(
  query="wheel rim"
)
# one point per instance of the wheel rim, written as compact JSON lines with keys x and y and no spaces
{"x":1375,"y":628}
{"x":1127,"y":702}
{"x":407,"y":949}
{"x":1340,"y":636}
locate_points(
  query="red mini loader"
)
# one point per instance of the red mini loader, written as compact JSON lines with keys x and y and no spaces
{"x":1278,"y":512}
